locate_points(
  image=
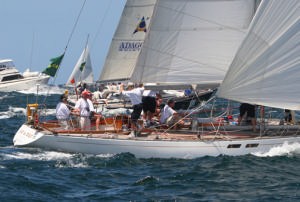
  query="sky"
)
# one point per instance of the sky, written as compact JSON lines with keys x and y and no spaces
{"x":34,"y":31}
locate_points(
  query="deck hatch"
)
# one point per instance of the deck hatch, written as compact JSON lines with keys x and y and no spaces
{"x":252,"y":145}
{"x":234,"y":146}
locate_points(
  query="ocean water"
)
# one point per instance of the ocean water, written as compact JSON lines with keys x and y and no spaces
{"x":39,"y":175}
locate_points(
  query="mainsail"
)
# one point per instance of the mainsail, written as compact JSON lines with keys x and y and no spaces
{"x":192,"y":41}
{"x":266,"y":69}
{"x":128,"y":40}
{"x":82,"y":71}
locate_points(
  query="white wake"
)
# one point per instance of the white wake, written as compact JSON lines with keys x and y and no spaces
{"x":284,"y":150}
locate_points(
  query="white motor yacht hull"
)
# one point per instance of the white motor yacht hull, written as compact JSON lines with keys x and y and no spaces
{"x":143,"y":148}
{"x":23,"y":84}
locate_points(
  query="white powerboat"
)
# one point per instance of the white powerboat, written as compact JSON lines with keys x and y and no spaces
{"x":12,"y":80}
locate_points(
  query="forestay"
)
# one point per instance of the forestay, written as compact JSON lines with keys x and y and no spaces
{"x":266,"y":69}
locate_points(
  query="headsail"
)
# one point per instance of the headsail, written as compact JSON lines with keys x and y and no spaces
{"x":266,"y":69}
{"x":128,"y":40}
{"x":82,"y":71}
{"x":192,"y":42}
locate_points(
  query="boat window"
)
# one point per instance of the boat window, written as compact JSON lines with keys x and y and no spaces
{"x":12,"y":77}
{"x":234,"y":146}
{"x":6,"y":65}
{"x":2,"y":67}
{"x":252,"y":145}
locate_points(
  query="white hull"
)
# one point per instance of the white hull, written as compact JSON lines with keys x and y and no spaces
{"x":23,"y":84}
{"x":151,"y":148}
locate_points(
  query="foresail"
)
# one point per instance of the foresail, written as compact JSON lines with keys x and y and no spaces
{"x":193,"y":41}
{"x":266,"y":68}
{"x":82,"y":71}
{"x":128,"y":40}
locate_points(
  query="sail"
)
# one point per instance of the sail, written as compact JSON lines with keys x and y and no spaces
{"x":266,"y":68}
{"x":82,"y":71}
{"x":193,"y":41}
{"x":128,"y":40}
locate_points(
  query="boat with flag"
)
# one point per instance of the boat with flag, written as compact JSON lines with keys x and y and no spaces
{"x":260,"y":69}
{"x":82,"y":71}
{"x":82,"y":74}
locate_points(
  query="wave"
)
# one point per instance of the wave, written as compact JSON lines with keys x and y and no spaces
{"x":42,"y":156}
{"x":48,"y":112}
{"x":19,"y":111}
{"x":62,"y":160}
{"x":12,"y":111}
{"x":44,"y":90}
{"x":5,"y":97}
{"x":284,"y":150}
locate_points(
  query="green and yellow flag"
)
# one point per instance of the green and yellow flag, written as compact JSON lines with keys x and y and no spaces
{"x":54,"y":65}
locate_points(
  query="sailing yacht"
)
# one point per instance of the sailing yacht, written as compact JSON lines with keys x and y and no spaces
{"x":12,"y":80}
{"x":263,"y":71}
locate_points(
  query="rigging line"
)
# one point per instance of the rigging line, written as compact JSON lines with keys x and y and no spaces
{"x":101,"y":23}
{"x":31,"y":52}
{"x":73,"y":30}
{"x":189,"y":113}
{"x":183,"y":58}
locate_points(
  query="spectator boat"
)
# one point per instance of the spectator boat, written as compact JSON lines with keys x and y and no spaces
{"x":12,"y":80}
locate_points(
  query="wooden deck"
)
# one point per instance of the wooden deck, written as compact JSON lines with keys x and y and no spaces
{"x":112,"y":128}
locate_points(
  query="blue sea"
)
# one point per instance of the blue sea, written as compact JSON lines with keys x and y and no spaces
{"x":28,"y":174}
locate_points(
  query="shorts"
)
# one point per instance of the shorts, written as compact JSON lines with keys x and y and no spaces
{"x":64,"y":124}
{"x":250,"y":109}
{"x":171,"y":121}
{"x":149,"y":104}
{"x":85,"y":123}
{"x":137,"y":110}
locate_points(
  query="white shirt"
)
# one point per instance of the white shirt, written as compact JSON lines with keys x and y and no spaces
{"x":62,"y":111}
{"x":114,"y":88}
{"x":92,"y":109}
{"x":150,"y":93}
{"x":97,"y":95}
{"x":135,"y":95}
{"x":85,"y":107}
{"x":166,"y":113}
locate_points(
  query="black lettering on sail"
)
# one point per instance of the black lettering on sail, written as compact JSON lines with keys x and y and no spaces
{"x":130,"y":46}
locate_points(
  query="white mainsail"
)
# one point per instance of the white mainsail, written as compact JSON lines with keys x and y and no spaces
{"x":266,"y":69}
{"x":128,"y":40}
{"x":192,"y":41}
{"x":83,"y":71}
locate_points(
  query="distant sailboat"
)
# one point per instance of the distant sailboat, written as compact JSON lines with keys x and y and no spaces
{"x":82,"y":71}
